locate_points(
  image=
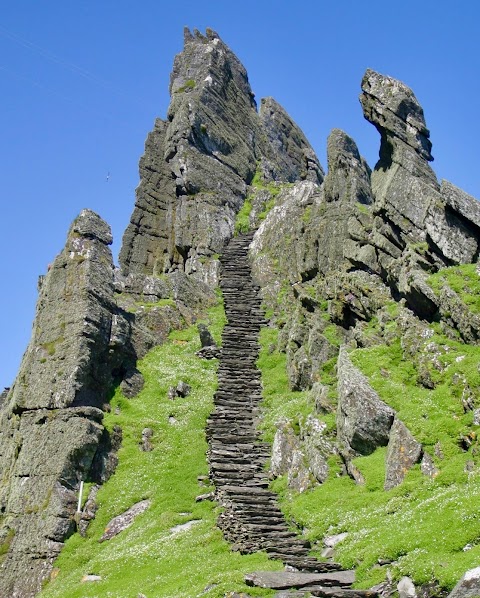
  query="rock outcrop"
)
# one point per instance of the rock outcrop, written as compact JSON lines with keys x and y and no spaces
{"x":51,"y":424}
{"x":197,"y":165}
{"x":330,"y":256}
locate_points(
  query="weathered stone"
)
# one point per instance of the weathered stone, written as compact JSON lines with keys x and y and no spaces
{"x":197,"y":164}
{"x":73,"y":319}
{"x":206,"y":338}
{"x":183,"y":389}
{"x":288,"y":457}
{"x":132,"y":383}
{"x":348,"y":178}
{"x":332,"y":541}
{"x":320,"y":396}
{"x":51,"y":427}
{"x":468,"y":586}
{"x":363,"y":420}
{"x":406,"y":588}
{"x":121,"y":522}
{"x":279,"y":580}
{"x":294,"y":158}
{"x":106,"y":459}
{"x":427,"y":466}
{"x":89,"y":510}
{"x":403,"y":452}
{"x":146,"y":444}
{"x":316,"y":447}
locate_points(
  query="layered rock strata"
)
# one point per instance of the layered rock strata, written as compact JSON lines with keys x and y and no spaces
{"x":198,"y":163}
{"x":51,"y":424}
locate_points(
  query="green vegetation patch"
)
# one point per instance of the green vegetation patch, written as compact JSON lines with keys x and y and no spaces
{"x":464,"y":280}
{"x":187,"y":86}
{"x":426,"y":528}
{"x":242,"y":221}
{"x":148,"y":557}
{"x":278,"y":400}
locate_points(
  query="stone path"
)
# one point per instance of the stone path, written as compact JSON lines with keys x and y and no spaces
{"x":251,"y":519}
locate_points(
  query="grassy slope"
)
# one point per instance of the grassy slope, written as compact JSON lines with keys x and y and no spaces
{"x":422,"y":526}
{"x":428,"y":528}
{"x":147,"y":557}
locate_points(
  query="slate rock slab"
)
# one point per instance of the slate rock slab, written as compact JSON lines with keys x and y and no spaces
{"x":121,"y":522}
{"x":468,"y":586}
{"x":283,"y":580}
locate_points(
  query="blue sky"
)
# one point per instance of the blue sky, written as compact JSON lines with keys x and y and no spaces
{"x":82,"y":82}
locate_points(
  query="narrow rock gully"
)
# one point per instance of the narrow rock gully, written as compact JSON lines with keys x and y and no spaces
{"x":251,"y":519}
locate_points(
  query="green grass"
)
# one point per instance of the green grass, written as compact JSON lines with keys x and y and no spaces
{"x":423,"y":525}
{"x":278,"y":400}
{"x":147,"y":557}
{"x":188,"y":85}
{"x":464,"y":280}
{"x":242,"y":221}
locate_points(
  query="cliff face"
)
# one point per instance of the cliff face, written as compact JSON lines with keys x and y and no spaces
{"x":363,"y":237}
{"x":197,"y":165}
{"x":335,"y":256}
{"x":51,"y":422}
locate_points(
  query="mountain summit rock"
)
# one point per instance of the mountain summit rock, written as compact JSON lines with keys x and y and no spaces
{"x":342,"y":261}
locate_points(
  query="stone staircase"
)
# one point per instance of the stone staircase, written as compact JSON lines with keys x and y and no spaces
{"x":251,"y":519}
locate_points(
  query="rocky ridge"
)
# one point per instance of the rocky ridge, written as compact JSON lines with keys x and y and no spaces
{"x":342,"y":261}
{"x":198,"y":164}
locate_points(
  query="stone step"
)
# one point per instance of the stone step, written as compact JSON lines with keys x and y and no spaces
{"x":284,"y":580}
{"x":251,"y":519}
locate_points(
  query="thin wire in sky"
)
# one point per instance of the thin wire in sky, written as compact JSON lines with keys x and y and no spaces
{"x":78,"y":70}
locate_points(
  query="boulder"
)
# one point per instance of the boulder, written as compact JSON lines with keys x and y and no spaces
{"x":468,"y":586}
{"x":122,"y":522}
{"x":403,"y":452}
{"x":363,"y":419}
{"x":206,"y":338}
{"x":406,"y":588}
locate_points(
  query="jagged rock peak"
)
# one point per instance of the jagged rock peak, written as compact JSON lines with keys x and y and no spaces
{"x":348,"y":177}
{"x":391,"y":106}
{"x":88,"y":224}
{"x":50,"y":426}
{"x":199,"y":163}
{"x":207,"y":61}
{"x":293,"y":151}
{"x":73,"y":320}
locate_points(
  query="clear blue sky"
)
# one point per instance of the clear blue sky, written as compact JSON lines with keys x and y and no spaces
{"x":81,"y":84}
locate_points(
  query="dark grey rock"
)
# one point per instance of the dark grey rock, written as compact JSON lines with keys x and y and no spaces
{"x":279,"y":580}
{"x":206,"y":338}
{"x":209,"y":352}
{"x":183,"y":389}
{"x":132,"y":383}
{"x":89,"y":510}
{"x":363,"y":420}
{"x":468,"y":586}
{"x":403,"y":452}
{"x":121,"y":522}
